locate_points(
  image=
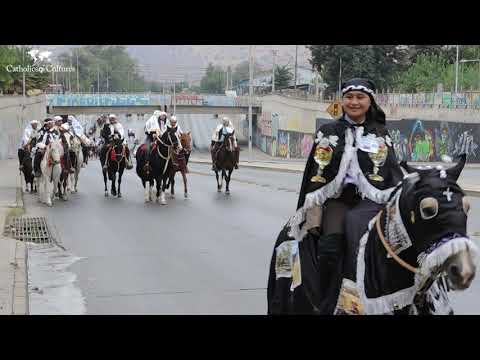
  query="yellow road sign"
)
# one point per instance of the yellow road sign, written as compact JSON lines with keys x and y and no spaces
{"x":335,"y":109}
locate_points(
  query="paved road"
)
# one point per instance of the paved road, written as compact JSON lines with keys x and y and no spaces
{"x":206,"y":255}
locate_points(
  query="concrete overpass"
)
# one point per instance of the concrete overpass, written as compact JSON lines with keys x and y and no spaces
{"x":147,"y":103}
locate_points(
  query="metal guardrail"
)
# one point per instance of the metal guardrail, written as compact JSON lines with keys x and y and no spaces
{"x":147,"y":99}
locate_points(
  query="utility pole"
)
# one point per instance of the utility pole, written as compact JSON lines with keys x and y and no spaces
{"x":274,"y":52}
{"x":340,"y":79}
{"x":108,"y":88}
{"x":78,"y":82}
{"x":69,"y":77}
{"x":174,"y":100}
{"x":250,"y":92}
{"x":296,"y":63}
{"x":98,"y":78}
{"x":226,"y":87}
{"x":456,"y":73}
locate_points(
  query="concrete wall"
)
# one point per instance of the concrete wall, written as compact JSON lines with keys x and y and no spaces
{"x":287,"y":126}
{"x":201,"y":125}
{"x":14,"y":118}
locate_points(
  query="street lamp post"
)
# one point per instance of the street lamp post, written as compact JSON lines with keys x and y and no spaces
{"x":472,"y":60}
{"x":456,"y":73}
{"x":250,"y":91}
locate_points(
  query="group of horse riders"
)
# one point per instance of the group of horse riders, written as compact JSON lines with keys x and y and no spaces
{"x":35,"y":139}
{"x":159,"y":122}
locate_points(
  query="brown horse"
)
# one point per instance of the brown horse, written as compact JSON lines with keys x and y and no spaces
{"x":180,"y":162}
{"x":225,"y":162}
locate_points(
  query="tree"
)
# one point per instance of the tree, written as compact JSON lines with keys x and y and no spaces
{"x":380,"y":63}
{"x":214,"y":80}
{"x":12,"y":82}
{"x":111,"y":64}
{"x":283,"y":76}
{"x":430,"y":70}
{"x":445,"y":51}
{"x":242,"y":71}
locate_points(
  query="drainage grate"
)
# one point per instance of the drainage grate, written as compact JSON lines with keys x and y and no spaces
{"x":31,"y":229}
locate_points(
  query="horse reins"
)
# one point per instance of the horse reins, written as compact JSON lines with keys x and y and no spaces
{"x":387,"y":247}
{"x":169,"y":152}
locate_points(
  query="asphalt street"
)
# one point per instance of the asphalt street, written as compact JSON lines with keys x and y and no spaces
{"x":208,"y":254}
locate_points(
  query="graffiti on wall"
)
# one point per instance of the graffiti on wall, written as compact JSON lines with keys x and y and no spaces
{"x":422,"y":140}
{"x":265,"y":124}
{"x":282,"y":143}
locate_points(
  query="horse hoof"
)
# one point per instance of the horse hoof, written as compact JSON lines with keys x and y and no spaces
{"x":227,"y":192}
{"x":106,"y":193}
{"x":172,"y":196}
{"x":185,"y":196}
{"x":219,"y":190}
{"x":163,"y":202}
{"x":119,"y":195}
{"x":49,"y":203}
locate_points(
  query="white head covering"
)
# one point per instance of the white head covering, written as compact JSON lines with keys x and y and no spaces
{"x":57,"y":118}
{"x":112,"y":116}
{"x":34,"y":122}
{"x":157,"y":113}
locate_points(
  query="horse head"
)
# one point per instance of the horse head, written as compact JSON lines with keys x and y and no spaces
{"x":228,"y":142}
{"x":117,"y":144}
{"x":169,"y":139}
{"x":55,"y":151}
{"x":186,"y":141}
{"x":434,"y":211}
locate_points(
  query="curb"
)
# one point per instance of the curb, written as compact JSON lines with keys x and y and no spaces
{"x":467,"y":190}
{"x":247,"y":165}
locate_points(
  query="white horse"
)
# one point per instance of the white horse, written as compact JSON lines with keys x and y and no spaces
{"x":51,"y":169}
{"x":76,"y":146}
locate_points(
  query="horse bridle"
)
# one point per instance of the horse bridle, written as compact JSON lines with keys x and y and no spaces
{"x":169,"y":151}
{"x":123,"y":153}
{"x":428,"y":279}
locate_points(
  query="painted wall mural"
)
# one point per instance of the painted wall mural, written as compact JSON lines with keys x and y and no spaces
{"x":422,"y":140}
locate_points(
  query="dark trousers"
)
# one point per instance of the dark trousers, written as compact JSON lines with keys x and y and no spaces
{"x":344,"y":222}
{"x":21,"y":156}
{"x":37,"y":160}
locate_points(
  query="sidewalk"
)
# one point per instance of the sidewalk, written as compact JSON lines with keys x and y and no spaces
{"x":13,"y":253}
{"x":263,"y":161}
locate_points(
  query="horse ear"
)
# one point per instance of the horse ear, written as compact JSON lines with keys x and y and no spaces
{"x":409,"y":169}
{"x":410,"y":180}
{"x":455,"y":171}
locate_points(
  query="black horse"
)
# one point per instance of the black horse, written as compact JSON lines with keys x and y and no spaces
{"x":26,"y":167}
{"x":415,"y":250}
{"x":224,"y":162}
{"x":160,"y":165}
{"x":115,"y":159}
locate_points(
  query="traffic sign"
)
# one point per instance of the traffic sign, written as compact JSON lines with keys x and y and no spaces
{"x":335,"y":109}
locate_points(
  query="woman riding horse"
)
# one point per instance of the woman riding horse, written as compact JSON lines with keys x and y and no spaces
{"x":349,"y":175}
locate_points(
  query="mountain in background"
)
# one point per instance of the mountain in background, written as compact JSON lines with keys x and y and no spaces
{"x":188,"y":62}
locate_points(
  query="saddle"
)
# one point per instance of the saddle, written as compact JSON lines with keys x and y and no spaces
{"x":143,"y":148}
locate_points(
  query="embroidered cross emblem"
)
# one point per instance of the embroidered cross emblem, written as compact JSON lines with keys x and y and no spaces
{"x":448,"y":194}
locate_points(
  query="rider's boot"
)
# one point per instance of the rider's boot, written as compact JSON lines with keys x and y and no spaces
{"x":36,"y":164}
{"x":237,"y":157}
{"x":212,"y":153}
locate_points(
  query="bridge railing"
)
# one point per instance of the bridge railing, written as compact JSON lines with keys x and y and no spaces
{"x":147,"y":99}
